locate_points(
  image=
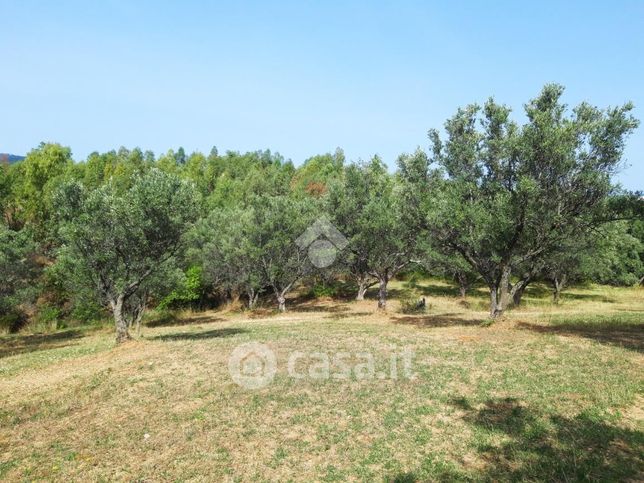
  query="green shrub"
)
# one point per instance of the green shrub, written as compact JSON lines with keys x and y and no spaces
{"x":412,"y":304}
{"x":189,"y":291}
{"x":49,"y":318}
{"x":324,"y":290}
{"x":11,"y":322}
{"x":87,"y":311}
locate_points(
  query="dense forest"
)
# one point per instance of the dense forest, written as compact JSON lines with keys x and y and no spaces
{"x":490,"y":202}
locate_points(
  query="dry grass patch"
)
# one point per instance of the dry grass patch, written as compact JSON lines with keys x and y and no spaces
{"x":494,"y":403}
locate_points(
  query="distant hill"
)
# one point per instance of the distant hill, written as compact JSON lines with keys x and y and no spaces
{"x":10,"y":158}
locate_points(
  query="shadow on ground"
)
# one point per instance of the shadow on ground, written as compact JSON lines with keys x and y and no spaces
{"x":209,"y":334}
{"x":587,"y":297}
{"x":627,"y":335}
{"x":541,"y":293}
{"x":22,"y":344}
{"x":524,"y":444}
{"x":348,"y":315}
{"x":171,"y":319}
{"x":332,"y":309}
{"x":438,"y":320}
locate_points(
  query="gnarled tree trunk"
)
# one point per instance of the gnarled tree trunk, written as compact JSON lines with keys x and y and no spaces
{"x":558,"y":284}
{"x":463,"y":284}
{"x":382,"y":292}
{"x":364,"y":283}
{"x":518,"y":290}
{"x":500,"y":293}
{"x":281,"y":302}
{"x":117,"y":306}
{"x":252,"y":298}
{"x":280,"y":295}
{"x":517,"y":293}
{"x":504,"y":289}
{"x":494,"y":303}
{"x":133,"y":310}
{"x":528,"y":275}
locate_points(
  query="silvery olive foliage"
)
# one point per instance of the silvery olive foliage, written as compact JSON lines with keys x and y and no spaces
{"x":120,"y":241}
{"x":493,"y":202}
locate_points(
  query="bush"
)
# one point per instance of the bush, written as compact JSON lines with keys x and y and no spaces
{"x":12,"y":322}
{"x":87,"y":311}
{"x":324,"y":290}
{"x":48,"y":318}
{"x":412,"y":304}
{"x":189,"y":291}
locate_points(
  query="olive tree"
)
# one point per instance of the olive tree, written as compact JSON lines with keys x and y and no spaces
{"x":18,"y":268}
{"x":277,"y":224}
{"x":119,"y":241}
{"x":509,"y":193}
{"x":224,"y":245}
{"x":253,"y":249}
{"x":369,"y":210}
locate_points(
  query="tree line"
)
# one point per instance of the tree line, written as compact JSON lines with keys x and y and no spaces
{"x":492,"y":201}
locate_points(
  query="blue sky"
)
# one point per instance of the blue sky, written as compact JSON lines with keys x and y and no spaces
{"x":301,"y":77}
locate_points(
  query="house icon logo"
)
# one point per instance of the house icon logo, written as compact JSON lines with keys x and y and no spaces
{"x":323,"y":241}
{"x":252,"y":365}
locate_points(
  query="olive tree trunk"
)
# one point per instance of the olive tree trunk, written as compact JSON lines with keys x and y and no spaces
{"x":494,"y":305}
{"x":518,"y":290}
{"x":504,"y":289}
{"x":122,"y":333}
{"x":382,"y":293}
{"x":364,"y":283}
{"x":281,"y":302}
{"x":253,"y":295}
{"x":500,"y":293}
{"x":558,"y":283}
{"x":463,"y":284}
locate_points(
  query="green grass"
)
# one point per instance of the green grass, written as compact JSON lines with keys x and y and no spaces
{"x":549,"y":393}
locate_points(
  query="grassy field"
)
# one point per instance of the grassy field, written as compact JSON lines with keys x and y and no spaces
{"x":551,"y":392}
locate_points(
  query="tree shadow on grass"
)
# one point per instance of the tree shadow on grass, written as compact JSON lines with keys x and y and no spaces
{"x":348,"y":315}
{"x":22,"y":344}
{"x":587,"y":297}
{"x":438,"y":290}
{"x":426,"y":290}
{"x":438,"y":320}
{"x":519,"y":443}
{"x":551,"y":447}
{"x":209,"y":334}
{"x":333,"y":309}
{"x":168,"y":320}
{"x":543,"y":292}
{"x":627,"y":335}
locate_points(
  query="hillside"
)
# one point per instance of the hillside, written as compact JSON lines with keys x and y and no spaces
{"x":10,"y":158}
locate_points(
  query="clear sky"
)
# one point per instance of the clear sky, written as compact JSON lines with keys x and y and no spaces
{"x":300,"y":77}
